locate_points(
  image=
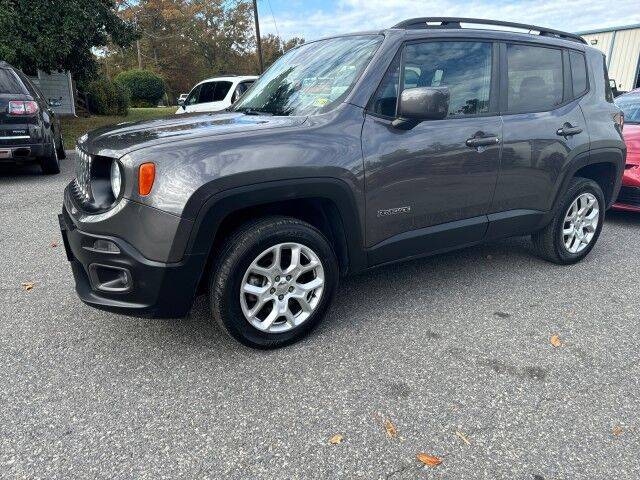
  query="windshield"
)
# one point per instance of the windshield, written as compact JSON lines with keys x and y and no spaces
{"x":630,"y":106}
{"x":312,"y":78}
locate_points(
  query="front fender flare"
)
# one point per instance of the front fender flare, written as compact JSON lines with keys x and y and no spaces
{"x":222,"y":204}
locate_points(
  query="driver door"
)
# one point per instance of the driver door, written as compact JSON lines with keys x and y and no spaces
{"x":428,"y":188}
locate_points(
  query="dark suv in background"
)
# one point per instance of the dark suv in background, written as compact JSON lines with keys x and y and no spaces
{"x":348,"y":153}
{"x":29,"y":129}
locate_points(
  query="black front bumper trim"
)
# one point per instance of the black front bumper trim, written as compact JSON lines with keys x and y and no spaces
{"x":159,"y":290}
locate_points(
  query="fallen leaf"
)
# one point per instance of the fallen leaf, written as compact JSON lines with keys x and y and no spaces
{"x":336,"y":439}
{"x":463,"y":437}
{"x":555,"y":341}
{"x":617,"y":430}
{"x":54,"y":244}
{"x":390,"y":428}
{"x":27,"y":285}
{"x":430,"y":460}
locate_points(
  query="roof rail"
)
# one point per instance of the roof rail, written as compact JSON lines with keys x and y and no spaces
{"x":454,"y":22}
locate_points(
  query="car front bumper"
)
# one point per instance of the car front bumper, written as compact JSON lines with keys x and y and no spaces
{"x":120,"y":279}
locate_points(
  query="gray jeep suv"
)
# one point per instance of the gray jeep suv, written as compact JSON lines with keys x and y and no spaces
{"x":348,"y":153}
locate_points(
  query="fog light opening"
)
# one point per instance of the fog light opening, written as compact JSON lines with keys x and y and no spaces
{"x":110,"y":279}
{"x":105,"y":246}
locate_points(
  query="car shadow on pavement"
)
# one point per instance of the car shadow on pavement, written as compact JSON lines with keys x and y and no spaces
{"x":362,"y":298}
{"x":623,"y":218}
{"x":16,"y":170}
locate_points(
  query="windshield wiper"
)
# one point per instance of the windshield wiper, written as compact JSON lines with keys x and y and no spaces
{"x":253,"y":111}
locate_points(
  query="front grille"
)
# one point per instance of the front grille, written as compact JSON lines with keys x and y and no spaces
{"x":629,"y":196}
{"x":82,"y":182}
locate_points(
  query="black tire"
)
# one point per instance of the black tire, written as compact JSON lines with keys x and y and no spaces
{"x":235,"y":257}
{"x":50,"y":164}
{"x":548,"y":242}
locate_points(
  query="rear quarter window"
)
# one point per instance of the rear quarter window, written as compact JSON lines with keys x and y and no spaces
{"x":578,"y":72}
{"x":9,"y":83}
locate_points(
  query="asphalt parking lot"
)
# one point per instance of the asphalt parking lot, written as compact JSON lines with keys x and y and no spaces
{"x":453,"y":350}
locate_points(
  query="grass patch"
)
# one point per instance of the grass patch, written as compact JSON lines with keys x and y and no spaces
{"x":73,"y":127}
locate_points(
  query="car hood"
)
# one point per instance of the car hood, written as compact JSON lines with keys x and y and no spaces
{"x":122,"y":138}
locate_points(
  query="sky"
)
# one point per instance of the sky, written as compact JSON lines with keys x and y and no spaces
{"x":313,"y":19}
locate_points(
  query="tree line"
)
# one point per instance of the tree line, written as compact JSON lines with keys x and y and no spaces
{"x":183,"y":41}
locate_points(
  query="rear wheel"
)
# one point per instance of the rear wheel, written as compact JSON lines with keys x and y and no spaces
{"x":576,"y":226}
{"x":62,"y":154}
{"x":50,"y":164}
{"x":273,"y":282}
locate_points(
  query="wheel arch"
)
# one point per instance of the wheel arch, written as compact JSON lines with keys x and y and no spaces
{"x":326,"y":203}
{"x":604,"y":166}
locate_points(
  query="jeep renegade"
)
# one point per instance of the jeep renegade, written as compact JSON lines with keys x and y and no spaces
{"x":347,"y":153}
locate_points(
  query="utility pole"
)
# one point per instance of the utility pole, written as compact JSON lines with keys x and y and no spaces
{"x":258,"y":41}
{"x":139,"y":55}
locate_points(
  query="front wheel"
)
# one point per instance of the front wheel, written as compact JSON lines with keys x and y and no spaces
{"x":576,"y":226}
{"x":273,"y":282}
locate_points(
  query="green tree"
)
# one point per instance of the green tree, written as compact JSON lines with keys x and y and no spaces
{"x":186,"y":41}
{"x":145,"y":87}
{"x":273,"y":47}
{"x":60,"y":34}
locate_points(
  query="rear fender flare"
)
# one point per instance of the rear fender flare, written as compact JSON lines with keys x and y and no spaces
{"x":613,"y":156}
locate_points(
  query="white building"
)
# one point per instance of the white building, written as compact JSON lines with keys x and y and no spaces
{"x":621,"y":45}
{"x":57,"y":86}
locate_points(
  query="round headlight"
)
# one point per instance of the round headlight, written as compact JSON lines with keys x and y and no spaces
{"x":116,"y":179}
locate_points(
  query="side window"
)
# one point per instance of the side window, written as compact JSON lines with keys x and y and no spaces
{"x":222,"y":88}
{"x":578,"y":72}
{"x":207,"y":92}
{"x":535,"y":78}
{"x":9,"y":83}
{"x":192,"y":99}
{"x":240,"y":89}
{"x":463,"y":67}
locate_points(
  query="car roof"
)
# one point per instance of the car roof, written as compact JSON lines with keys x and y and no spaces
{"x":496,"y":33}
{"x":229,"y":78}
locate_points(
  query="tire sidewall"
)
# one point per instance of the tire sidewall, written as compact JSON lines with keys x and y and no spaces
{"x":226,"y":291}
{"x":582,"y":186}
{"x":51,"y":163}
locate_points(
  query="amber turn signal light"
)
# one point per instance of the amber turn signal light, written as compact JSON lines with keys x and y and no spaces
{"x":146,"y":176}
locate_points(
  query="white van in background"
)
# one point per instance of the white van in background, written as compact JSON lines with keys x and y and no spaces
{"x":215,"y":94}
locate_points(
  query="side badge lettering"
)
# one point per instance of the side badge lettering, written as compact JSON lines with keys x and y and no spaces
{"x":393,"y":211}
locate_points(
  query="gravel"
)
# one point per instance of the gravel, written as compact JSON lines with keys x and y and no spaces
{"x":453,"y":343}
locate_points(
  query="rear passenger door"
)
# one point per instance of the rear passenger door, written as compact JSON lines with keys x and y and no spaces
{"x":544,"y":129}
{"x":429,"y":187}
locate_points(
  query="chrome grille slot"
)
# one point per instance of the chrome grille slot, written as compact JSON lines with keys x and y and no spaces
{"x":82,"y":183}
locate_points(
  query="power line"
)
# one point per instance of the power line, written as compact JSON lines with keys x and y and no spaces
{"x":275,"y":24}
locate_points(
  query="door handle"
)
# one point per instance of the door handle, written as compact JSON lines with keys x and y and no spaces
{"x":476,"y":142}
{"x":568,"y":130}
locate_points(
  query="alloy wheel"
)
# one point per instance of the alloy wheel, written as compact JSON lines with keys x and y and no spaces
{"x":282,"y":287}
{"x":580,"y":223}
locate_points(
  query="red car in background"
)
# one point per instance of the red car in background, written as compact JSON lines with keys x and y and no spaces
{"x":629,"y":197}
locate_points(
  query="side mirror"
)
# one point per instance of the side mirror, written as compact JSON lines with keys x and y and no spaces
{"x":422,"y":103}
{"x":181,"y":102}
